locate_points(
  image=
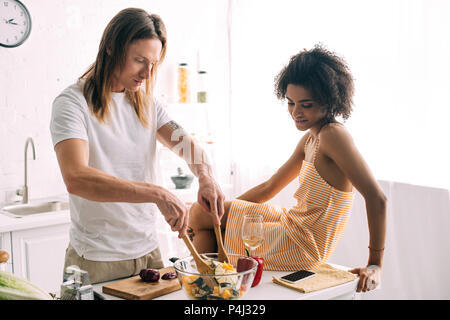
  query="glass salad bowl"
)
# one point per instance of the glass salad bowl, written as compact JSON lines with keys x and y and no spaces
{"x":231,"y":281}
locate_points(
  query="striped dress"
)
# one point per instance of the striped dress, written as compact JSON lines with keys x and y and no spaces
{"x":302,"y":237}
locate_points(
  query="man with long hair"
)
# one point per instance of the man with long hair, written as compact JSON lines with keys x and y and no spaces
{"x":104,"y":130}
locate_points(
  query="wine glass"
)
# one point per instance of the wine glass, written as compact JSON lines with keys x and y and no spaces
{"x":252,"y":232}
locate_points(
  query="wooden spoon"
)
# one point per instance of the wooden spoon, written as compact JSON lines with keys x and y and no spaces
{"x":222,"y":254}
{"x":202,"y":266}
{"x":4,"y":256}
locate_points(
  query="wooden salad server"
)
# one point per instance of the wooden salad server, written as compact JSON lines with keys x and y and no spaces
{"x":222,"y":254}
{"x":202,"y":266}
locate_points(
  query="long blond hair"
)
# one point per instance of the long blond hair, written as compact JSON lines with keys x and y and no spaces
{"x":127,"y":26}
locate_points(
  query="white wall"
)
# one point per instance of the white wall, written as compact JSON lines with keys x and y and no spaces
{"x":63,"y":43}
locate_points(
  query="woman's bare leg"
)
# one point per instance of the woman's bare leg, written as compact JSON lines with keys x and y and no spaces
{"x":201,"y":223}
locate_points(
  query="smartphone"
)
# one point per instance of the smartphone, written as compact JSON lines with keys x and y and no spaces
{"x":298,"y":276}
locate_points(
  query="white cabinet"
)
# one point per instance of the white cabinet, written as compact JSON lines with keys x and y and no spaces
{"x":38,"y":254}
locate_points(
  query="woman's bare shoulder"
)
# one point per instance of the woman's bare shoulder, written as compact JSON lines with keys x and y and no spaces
{"x":335,"y":135}
{"x":333,"y":129}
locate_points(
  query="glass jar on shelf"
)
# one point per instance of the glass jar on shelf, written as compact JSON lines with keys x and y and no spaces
{"x":202,"y":95}
{"x":184,"y":92}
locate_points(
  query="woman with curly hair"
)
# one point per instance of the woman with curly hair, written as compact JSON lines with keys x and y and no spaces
{"x":318,"y":87}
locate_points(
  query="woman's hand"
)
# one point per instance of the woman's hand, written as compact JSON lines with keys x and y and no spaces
{"x":211,"y":198}
{"x":174,"y":211}
{"x":369,"y":277}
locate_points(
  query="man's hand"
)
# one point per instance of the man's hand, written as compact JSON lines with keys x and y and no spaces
{"x":174,"y":212}
{"x":211,"y":198}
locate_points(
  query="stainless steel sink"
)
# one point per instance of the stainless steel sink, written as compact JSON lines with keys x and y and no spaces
{"x":23,"y":210}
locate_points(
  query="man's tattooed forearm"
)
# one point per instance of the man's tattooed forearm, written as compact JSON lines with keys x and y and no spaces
{"x":173,"y":125}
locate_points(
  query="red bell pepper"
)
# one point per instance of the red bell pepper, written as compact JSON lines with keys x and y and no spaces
{"x":246,"y":263}
{"x":259,"y":269}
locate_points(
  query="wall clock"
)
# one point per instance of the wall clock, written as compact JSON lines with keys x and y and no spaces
{"x":15,"y":23}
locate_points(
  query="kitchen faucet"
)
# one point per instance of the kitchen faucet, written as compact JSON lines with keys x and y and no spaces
{"x":24,"y":191}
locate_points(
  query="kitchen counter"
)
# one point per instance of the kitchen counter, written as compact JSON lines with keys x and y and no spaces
{"x":267,"y":290}
{"x":8,"y":223}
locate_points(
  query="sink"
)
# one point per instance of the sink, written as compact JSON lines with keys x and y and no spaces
{"x":27,"y":209}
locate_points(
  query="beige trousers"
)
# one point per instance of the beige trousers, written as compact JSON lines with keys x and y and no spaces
{"x":101,"y":271}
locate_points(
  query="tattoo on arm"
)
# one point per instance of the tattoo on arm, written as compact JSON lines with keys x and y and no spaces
{"x":178,"y":131}
{"x":173,"y":125}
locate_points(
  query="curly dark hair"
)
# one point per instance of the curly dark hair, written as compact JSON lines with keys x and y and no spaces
{"x":325,"y":75}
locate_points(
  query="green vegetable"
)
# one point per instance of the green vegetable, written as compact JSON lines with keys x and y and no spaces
{"x":198,"y":282}
{"x":13,"y":287}
{"x":204,"y":285}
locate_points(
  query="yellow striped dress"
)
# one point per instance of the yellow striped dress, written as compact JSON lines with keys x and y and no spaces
{"x":302,"y":237}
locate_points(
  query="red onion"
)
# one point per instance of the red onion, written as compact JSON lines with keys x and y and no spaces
{"x":169,"y":276}
{"x":149,"y":275}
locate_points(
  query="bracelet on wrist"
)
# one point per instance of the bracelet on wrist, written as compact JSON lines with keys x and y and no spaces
{"x":375,"y":249}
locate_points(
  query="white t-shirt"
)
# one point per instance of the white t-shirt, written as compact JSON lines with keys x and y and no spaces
{"x":121,"y":147}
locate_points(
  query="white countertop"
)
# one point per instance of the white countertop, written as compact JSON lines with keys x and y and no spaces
{"x":267,"y":290}
{"x":8,"y":224}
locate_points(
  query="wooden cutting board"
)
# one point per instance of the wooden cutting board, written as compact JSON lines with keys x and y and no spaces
{"x":135,"y":289}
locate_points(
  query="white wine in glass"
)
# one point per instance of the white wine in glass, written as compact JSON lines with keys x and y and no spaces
{"x":252,"y":232}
